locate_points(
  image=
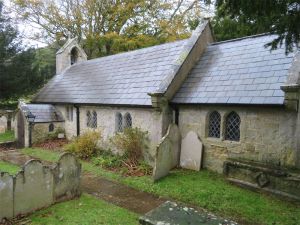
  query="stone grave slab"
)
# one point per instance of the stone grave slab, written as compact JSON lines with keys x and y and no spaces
{"x":191,"y":152}
{"x":171,"y":213}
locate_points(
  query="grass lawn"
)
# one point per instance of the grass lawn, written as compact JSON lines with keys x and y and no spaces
{"x":85,"y":211}
{"x":8,"y":167}
{"x":204,"y":189}
{"x":7,"y":136}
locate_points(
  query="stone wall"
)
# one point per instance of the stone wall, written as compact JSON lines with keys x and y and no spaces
{"x":63,"y":56}
{"x":69,"y":125}
{"x":41,"y":130}
{"x":145,"y":118}
{"x":37,"y":186}
{"x":267,"y":134}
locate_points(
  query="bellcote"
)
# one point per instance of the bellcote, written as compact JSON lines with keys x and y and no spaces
{"x":69,"y":54}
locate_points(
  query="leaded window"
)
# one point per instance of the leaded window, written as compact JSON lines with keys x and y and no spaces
{"x":94,"y":120}
{"x":127,"y":120}
{"x":88,"y":119}
{"x":51,"y":127}
{"x":232,"y":127}
{"x":214,"y":125}
{"x":119,"y":122}
{"x":69,"y":113}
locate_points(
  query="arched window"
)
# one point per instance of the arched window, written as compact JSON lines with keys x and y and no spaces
{"x":232,"y":126}
{"x":88,"y":119}
{"x":69,"y":113}
{"x":74,"y":56}
{"x":119,"y":122}
{"x":127,"y":120}
{"x":214,"y":125}
{"x":94,"y":120}
{"x":51,"y":127}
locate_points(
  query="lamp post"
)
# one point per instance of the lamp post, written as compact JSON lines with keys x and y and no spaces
{"x":30,"y":118}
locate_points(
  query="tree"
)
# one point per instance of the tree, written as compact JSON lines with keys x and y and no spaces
{"x":226,"y":28}
{"x":22,"y":72}
{"x":108,"y":26}
{"x":9,"y":46}
{"x":236,"y":18}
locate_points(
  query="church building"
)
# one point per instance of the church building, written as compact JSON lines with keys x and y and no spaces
{"x":240,"y":98}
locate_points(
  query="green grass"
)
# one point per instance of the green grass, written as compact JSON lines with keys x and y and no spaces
{"x":84,"y":211}
{"x":7,"y":136}
{"x":8,"y":167}
{"x":46,"y":155}
{"x":204,"y":189}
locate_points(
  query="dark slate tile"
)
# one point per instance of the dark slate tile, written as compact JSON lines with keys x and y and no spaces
{"x":267,"y":93}
{"x":258,"y":100}
{"x":233,"y":100}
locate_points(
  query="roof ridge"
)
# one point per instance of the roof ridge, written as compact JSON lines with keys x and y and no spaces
{"x":242,"y":38}
{"x":135,"y":50}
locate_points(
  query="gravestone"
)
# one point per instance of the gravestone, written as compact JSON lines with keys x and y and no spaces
{"x":191,"y":152}
{"x":177,"y":214}
{"x":167,"y":153}
{"x":33,"y":188}
{"x":67,"y":178}
{"x":6,"y":196}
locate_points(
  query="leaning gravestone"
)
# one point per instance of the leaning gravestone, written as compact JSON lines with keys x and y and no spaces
{"x":167,"y":153}
{"x":67,"y":178}
{"x":191,"y":152}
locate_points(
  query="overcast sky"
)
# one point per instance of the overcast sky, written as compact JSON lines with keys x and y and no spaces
{"x":26,"y":30}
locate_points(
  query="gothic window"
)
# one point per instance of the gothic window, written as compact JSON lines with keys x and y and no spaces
{"x":214,"y":125}
{"x":94,"y":120}
{"x":88,"y":119}
{"x":232,"y":126}
{"x":51,"y":127}
{"x":74,"y":56}
{"x":127,"y":120}
{"x":69,"y":113}
{"x":119,"y":122}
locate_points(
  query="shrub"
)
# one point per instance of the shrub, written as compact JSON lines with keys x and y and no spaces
{"x":145,"y":168}
{"x":132,"y":141}
{"x":107,"y":160}
{"x":85,"y":146}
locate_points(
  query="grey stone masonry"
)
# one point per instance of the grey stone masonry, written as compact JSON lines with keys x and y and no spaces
{"x":63,"y":55}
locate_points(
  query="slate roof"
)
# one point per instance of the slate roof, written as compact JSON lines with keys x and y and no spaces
{"x":240,"y":71}
{"x":123,"y":79}
{"x":44,"y":113}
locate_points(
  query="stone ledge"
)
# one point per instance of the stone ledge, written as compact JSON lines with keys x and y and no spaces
{"x":282,"y":182}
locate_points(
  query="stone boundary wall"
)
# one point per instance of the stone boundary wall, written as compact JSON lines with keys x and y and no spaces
{"x":37,"y":186}
{"x":257,"y":176}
